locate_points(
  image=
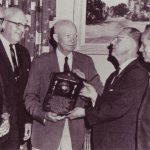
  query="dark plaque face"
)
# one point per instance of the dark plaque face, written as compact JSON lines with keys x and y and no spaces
{"x":63,"y":90}
{"x":64,"y":86}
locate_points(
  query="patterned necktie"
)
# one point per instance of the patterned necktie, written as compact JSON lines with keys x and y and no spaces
{"x":66,"y":66}
{"x":16,"y":73}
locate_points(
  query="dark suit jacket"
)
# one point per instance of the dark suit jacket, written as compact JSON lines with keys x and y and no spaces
{"x":3,"y":108}
{"x":48,"y":136}
{"x":114,"y":117}
{"x":14,"y":93}
{"x":143,"y":128}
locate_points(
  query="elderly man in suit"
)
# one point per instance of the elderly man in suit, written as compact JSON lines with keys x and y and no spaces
{"x":14,"y":68}
{"x":51,"y":131}
{"x":143,"y":129}
{"x":113,"y":116}
{"x":4,"y":120}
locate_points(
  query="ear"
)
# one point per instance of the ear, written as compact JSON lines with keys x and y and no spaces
{"x":55,"y":36}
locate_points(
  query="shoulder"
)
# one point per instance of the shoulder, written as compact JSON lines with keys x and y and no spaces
{"x":22,"y":50}
{"x":136,"y":74}
{"x":138,"y":70}
{"x":82,"y":57}
{"x":45,"y":57}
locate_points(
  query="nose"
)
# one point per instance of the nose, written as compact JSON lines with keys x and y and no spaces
{"x":73,"y":39}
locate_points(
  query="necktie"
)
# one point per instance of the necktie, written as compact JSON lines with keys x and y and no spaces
{"x":115,"y":75}
{"x":66,"y":66}
{"x":16,"y":73}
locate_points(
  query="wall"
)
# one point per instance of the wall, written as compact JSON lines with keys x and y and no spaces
{"x":104,"y":68}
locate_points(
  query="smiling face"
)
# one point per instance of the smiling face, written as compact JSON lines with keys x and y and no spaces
{"x":12,"y":32}
{"x":145,"y":48}
{"x":66,"y":38}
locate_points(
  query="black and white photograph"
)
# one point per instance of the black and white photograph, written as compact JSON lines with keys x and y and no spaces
{"x":74,"y":74}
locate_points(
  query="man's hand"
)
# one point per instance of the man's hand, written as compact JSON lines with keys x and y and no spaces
{"x":89,"y":91}
{"x":5,"y":126}
{"x":27,"y":132}
{"x":77,"y":112}
{"x":53,"y":117}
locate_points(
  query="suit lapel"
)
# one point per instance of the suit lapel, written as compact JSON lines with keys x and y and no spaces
{"x":4,"y":57}
{"x":54,"y":62}
{"x":76,"y":61}
{"x":19,"y":56}
{"x":124,"y":71}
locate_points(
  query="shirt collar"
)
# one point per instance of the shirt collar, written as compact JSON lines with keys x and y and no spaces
{"x":62,"y":56}
{"x":61,"y":59}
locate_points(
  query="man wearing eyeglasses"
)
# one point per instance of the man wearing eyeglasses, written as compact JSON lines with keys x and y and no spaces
{"x":4,"y":115}
{"x":14,"y":68}
{"x":113,"y":116}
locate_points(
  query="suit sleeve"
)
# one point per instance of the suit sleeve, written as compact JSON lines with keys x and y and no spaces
{"x":27,"y":118}
{"x":116,"y":103}
{"x":32,"y":93}
{"x":93,"y":78}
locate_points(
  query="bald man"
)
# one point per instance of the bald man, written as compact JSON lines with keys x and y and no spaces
{"x":51,"y":131}
{"x":14,"y":68}
{"x":113,"y":116}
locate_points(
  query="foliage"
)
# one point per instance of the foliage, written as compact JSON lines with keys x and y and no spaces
{"x":120,"y":10}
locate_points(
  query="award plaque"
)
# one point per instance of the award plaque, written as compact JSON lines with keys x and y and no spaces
{"x":62,"y":92}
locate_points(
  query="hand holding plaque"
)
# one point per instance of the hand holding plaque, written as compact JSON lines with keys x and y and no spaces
{"x":62,"y":92}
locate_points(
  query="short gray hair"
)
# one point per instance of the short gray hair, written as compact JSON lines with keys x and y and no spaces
{"x":134,"y":33}
{"x":62,"y":23}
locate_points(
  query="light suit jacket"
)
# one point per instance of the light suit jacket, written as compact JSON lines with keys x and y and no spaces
{"x":47,"y":136}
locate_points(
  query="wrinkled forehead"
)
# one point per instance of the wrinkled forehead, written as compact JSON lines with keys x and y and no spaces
{"x":67,"y":29}
{"x":17,"y":17}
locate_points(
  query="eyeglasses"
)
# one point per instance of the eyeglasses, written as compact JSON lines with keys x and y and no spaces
{"x":19,"y":25}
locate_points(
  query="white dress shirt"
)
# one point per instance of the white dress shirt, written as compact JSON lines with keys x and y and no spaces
{"x":65,"y":143}
{"x":7,"y":49}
